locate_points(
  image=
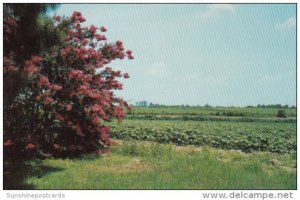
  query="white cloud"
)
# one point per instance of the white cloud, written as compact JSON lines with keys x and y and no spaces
{"x":287,"y":24}
{"x":157,"y":68}
{"x":214,"y":10}
{"x":270,"y":78}
{"x":203,"y":79}
{"x":278,"y":77}
{"x":222,"y":7}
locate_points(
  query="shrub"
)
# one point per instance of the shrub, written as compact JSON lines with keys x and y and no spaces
{"x":69,"y":96}
{"x":281,"y":113}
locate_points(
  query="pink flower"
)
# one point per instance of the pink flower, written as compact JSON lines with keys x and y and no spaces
{"x":96,"y":108}
{"x":99,"y":152}
{"x":76,"y":51}
{"x":79,"y":131}
{"x":8,"y":143}
{"x":72,"y":74}
{"x":119,"y":43}
{"x":103,"y":29}
{"x":81,"y":19}
{"x":56,"y":87}
{"x":36,"y":59}
{"x":88,"y":78}
{"x":83,"y":89}
{"x":76,"y":14}
{"x":104,"y":136}
{"x":31,"y":69}
{"x":9,"y":68}
{"x":44,"y":81}
{"x":103,"y":132}
{"x":56,"y":146}
{"x":120,"y":47}
{"x":48,"y":100}
{"x":77,"y":17}
{"x":118,"y":85}
{"x":108,"y":143}
{"x":118,"y":112}
{"x":93,"y":29}
{"x":95,"y":120}
{"x":121,"y":56}
{"x":28,"y":63}
{"x":69,"y":107}
{"x":69,"y":124}
{"x":76,"y":74}
{"x":30,"y":146}
{"x":75,"y":39}
{"x":105,"y":61}
{"x":126,"y":75}
{"x":96,"y":55}
{"x":58,"y":116}
{"x":64,"y":52}
{"x":10,"y":21}
{"x":72,"y":93}
{"x":117,"y":73}
{"x":130,"y":57}
{"x":57,"y":18}
{"x":84,"y":42}
{"x":100,"y":37}
{"x":128,"y":52}
{"x":38,"y":98}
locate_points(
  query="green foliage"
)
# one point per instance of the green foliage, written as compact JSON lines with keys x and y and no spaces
{"x":248,"y":137}
{"x":27,"y":32}
{"x":27,"y":38}
{"x":210,"y":111}
{"x":281,"y":114}
{"x":232,"y":113}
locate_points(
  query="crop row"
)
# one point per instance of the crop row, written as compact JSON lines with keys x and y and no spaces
{"x":248,"y":137}
{"x":213,"y":111}
{"x":210,"y":118}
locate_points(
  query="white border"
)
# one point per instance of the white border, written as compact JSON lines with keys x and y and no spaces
{"x":132,"y":194}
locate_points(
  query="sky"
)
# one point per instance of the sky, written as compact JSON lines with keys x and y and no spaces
{"x":197,"y":54}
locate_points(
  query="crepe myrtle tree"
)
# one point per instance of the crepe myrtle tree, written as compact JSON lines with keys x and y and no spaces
{"x":69,"y":94}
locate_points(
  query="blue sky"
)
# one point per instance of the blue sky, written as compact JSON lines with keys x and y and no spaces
{"x":220,"y":54}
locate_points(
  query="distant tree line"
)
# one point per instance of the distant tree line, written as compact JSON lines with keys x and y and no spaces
{"x":141,"y":103}
{"x":144,"y":103}
{"x":271,"y":106}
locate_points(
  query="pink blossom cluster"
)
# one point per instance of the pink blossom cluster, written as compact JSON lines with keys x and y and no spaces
{"x":78,"y":89}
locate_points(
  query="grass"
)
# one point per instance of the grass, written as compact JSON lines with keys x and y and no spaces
{"x":148,"y":165}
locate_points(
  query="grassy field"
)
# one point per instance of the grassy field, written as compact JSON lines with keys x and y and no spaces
{"x":255,"y":151}
{"x":148,"y":165}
